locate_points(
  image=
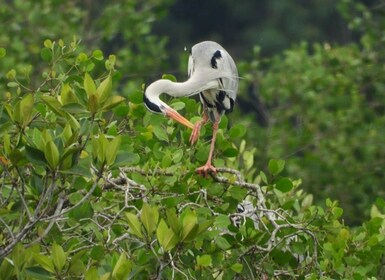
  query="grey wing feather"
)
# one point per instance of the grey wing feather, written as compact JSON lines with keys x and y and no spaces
{"x":231,"y":79}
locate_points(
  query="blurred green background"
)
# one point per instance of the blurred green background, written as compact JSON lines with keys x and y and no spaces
{"x":313,"y":75}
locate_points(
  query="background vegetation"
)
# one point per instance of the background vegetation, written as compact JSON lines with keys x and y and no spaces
{"x":95,"y":187}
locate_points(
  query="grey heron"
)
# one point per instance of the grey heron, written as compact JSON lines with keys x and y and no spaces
{"x":214,"y":76}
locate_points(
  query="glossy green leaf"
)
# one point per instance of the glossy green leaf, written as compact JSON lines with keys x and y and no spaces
{"x":92,"y":274}
{"x":149,"y":217}
{"x":190,"y":226}
{"x":36,"y":272}
{"x":126,"y":159}
{"x":67,"y":96}
{"x":51,"y":154}
{"x":204,"y":260}
{"x":59,"y":258}
{"x":136,"y":97}
{"x":276,"y":166}
{"x":104,"y":89}
{"x":237,"y":131}
{"x":284,"y":184}
{"x":46,"y":54}
{"x":112,"y":150}
{"x":22,"y":113}
{"x":173,"y":221}
{"x":237,"y":267}
{"x":34,"y":155}
{"x":44,"y":261}
{"x":97,"y":54}
{"x":169,"y":77}
{"x":89,"y":85}
{"x":112,"y":102}
{"x":134,"y":224}
{"x":160,"y":133}
{"x":166,"y":236}
{"x":53,"y":104}
{"x":122,"y":268}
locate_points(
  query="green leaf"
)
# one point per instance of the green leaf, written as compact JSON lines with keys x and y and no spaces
{"x":18,"y":256}
{"x":112,"y":102}
{"x":100,"y":147}
{"x":190,"y":226}
{"x":222,"y":243}
{"x":237,"y":267}
{"x":83,"y":211}
{"x":126,"y":159}
{"x":73,"y":108}
{"x":237,"y":131}
{"x":51,"y":154}
{"x":149,"y":217}
{"x":89,"y":85}
{"x":36,"y":272}
{"x":204,"y":260}
{"x":104,"y":89}
{"x":53,"y":104}
{"x":3,"y":52}
{"x":46,"y":54}
{"x":93,"y":103}
{"x":172,"y":220}
{"x":92,"y":274}
{"x":44,"y":261}
{"x":169,"y":77}
{"x":134,"y":224}
{"x":48,"y":44}
{"x":178,"y":105}
{"x":230,"y":152}
{"x":276,"y":166}
{"x":166,"y":236}
{"x":23,"y":110}
{"x":160,"y":133}
{"x":112,"y":150}
{"x":12,"y":84}
{"x":284,"y":184}
{"x":136,"y":97}
{"x":222,"y":221}
{"x":97,"y":54}
{"x":35,"y":156}
{"x":122,"y":268}
{"x":58,"y":256}
{"x":67,"y":96}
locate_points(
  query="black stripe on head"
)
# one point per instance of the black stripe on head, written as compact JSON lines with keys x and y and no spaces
{"x":151,"y":106}
{"x":216,"y":56}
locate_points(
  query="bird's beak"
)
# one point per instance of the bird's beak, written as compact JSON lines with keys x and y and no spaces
{"x":172,"y":114}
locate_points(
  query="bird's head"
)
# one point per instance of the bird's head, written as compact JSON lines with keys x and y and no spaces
{"x":154,"y":104}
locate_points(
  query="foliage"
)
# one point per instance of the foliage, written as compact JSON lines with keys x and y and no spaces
{"x":321,"y":107}
{"x":93,"y":186}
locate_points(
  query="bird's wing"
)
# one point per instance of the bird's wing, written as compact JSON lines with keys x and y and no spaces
{"x":230,"y":78}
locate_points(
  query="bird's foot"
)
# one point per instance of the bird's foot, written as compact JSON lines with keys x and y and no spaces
{"x":195,"y":133}
{"x":206,"y":169}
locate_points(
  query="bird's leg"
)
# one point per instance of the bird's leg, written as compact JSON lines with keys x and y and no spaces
{"x":197,"y":127}
{"x":208,"y":167}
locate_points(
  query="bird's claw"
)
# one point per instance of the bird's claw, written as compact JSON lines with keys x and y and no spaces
{"x":206,"y":169}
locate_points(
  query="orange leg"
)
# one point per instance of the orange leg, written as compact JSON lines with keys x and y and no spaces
{"x":208,"y":167}
{"x":197,"y":127}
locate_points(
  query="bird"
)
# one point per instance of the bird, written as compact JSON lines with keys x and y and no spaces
{"x":213,"y":75}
